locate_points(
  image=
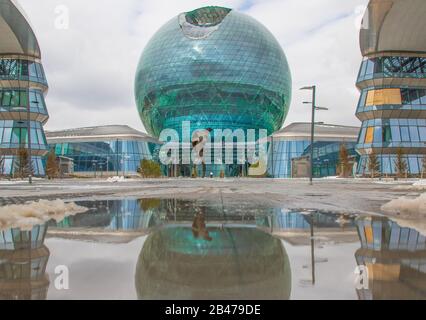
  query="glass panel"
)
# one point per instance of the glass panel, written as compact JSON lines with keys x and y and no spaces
{"x":405,"y":135}
{"x":414,"y":134}
{"x":369,"y":135}
{"x":396,"y":135}
{"x":383,"y":97}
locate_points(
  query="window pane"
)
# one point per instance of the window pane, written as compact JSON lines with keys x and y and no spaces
{"x":414,"y":134}
{"x":396,"y":136}
{"x":369,"y":135}
{"x":405,"y":136}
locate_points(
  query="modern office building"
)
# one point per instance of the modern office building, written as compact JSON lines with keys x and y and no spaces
{"x":22,"y":88}
{"x":392,"y":81}
{"x":218,"y":69}
{"x":105,"y":150}
{"x":289,"y":149}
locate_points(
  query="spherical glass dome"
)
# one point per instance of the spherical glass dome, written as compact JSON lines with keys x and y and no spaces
{"x":237,"y":263}
{"x":217,"y":68}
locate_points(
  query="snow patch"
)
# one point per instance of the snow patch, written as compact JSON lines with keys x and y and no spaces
{"x":26,"y":216}
{"x":407,"y":206}
{"x":116,"y":179}
{"x":420,"y":183}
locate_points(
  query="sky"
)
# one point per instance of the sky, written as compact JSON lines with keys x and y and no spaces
{"x":90,"y":51}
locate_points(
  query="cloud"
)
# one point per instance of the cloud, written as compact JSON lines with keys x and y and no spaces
{"x":91,"y":66}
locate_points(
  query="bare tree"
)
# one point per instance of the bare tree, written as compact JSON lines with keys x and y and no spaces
{"x":2,"y":161}
{"x":22,"y":166}
{"x":401,"y":164}
{"x":373,"y":164}
{"x":344,"y":161}
{"x":52,"y":167}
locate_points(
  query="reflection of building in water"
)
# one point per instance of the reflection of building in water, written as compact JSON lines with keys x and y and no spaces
{"x":125,"y":214}
{"x":239,"y":263}
{"x":395,"y":258}
{"x":141,"y":214}
{"x":23,"y":261}
{"x":283,"y":219}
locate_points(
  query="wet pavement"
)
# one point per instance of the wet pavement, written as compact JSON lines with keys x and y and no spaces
{"x":183,"y":249}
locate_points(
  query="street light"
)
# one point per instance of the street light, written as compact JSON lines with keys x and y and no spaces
{"x":94,"y":165}
{"x":314,"y":108}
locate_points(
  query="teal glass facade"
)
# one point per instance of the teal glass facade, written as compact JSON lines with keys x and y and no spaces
{"x":23,"y":86}
{"x":23,"y":70}
{"x":392,"y":67}
{"x":113,"y":156}
{"x":217,"y":68}
{"x":392,"y":108}
{"x":326,"y":156}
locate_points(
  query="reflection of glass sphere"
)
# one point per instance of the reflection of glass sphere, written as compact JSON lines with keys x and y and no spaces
{"x":217,"y":68}
{"x":239,"y":263}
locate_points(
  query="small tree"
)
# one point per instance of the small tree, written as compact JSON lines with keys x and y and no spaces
{"x":149,"y":169}
{"x":52,"y":167}
{"x":424,"y":167}
{"x":2,"y":161}
{"x":373,"y":164}
{"x":344,"y":161}
{"x":400,"y":164}
{"x":22,"y":167}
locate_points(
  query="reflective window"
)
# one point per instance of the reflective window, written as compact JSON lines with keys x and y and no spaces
{"x":21,"y":70}
{"x":326,"y":155}
{"x":15,"y":135}
{"x":379,"y":97}
{"x":383,"y":67}
{"x":17,"y":100}
{"x":388,"y":163}
{"x":122,"y":156}
{"x":390,"y":131}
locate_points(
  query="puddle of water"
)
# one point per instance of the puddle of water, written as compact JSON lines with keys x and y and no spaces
{"x":176,"y":249}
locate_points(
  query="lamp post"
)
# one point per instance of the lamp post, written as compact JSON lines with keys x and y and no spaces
{"x":314,"y":108}
{"x":94,"y":165}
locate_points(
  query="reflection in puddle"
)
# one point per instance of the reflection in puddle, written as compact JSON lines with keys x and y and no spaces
{"x":176,"y":249}
{"x":236,"y":263}
{"x":23,"y":260}
{"x":395,"y":258}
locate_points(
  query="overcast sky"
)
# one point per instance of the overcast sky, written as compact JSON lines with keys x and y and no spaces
{"x":91,"y":65}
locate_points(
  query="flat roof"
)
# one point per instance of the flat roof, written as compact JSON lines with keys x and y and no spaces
{"x":324,"y":132}
{"x":98,"y":133}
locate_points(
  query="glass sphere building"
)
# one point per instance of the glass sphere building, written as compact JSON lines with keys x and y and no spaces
{"x":217,"y":68}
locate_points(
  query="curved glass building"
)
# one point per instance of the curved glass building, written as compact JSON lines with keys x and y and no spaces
{"x":395,"y":258}
{"x":22,"y":88}
{"x":392,"y":81}
{"x":292,"y":145}
{"x":105,"y":150}
{"x":238,"y":263}
{"x":24,"y":259}
{"x":218,"y":69}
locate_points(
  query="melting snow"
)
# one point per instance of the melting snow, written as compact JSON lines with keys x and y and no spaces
{"x":116,"y":179}
{"x":26,"y":216}
{"x":414,"y":208}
